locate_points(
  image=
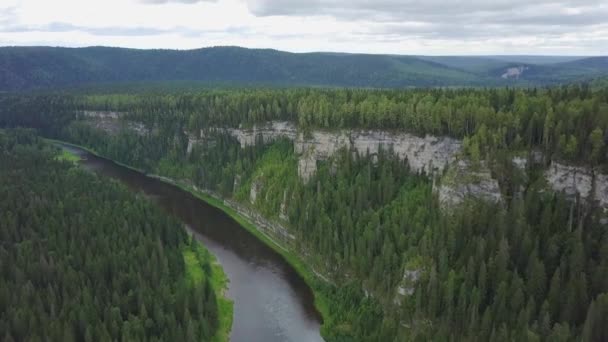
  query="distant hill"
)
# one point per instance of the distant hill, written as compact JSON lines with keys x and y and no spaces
{"x":24,"y":68}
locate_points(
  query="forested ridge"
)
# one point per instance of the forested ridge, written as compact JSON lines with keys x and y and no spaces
{"x":534,"y":267}
{"x":26,"y":68}
{"x":84,"y":259}
{"x":567,"y":123}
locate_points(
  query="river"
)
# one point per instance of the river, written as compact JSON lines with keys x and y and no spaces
{"x":271,"y":300}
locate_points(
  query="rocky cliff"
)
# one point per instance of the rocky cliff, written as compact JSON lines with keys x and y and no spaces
{"x":464,"y":181}
{"x":428,"y":154}
{"x":579,"y":181}
{"x":424,"y":154}
{"x":113,"y":122}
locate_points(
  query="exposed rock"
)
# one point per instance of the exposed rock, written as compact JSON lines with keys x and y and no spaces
{"x":577,"y":180}
{"x":102,"y":114}
{"x":113,"y":122}
{"x":410,"y":278}
{"x":514,"y":72}
{"x":277,"y":232}
{"x":520,"y":162}
{"x":429,"y":154}
{"x":464,"y":181}
{"x":407,"y":285}
{"x":283,"y":209}
{"x":191,"y":142}
{"x":256,"y":188}
{"x":266,"y":132}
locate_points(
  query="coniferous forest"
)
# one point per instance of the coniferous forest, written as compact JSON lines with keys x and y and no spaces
{"x":84,"y":259}
{"x":533,"y":267}
{"x":304,"y":171}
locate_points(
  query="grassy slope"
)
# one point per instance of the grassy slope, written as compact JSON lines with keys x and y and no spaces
{"x":68,"y":156}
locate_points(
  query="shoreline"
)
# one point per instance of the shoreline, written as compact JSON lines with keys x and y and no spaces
{"x":310,"y":276}
{"x":219,"y":281}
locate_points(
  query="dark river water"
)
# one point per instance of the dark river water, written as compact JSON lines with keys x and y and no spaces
{"x":271,"y":301}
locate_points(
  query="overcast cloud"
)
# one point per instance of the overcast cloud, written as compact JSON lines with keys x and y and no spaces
{"x":381,"y":26}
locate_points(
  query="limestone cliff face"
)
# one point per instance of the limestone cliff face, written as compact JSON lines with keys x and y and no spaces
{"x":577,"y":180}
{"x":463,"y":181}
{"x":424,"y":154}
{"x":113,"y":122}
{"x":266,"y":132}
{"x":428,"y":154}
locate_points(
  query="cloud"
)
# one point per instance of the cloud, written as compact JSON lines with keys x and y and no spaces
{"x":158,"y":2}
{"x":7,"y":15}
{"x":440,"y":20}
{"x":59,"y":27}
{"x":407,"y":9}
{"x":372,"y":26}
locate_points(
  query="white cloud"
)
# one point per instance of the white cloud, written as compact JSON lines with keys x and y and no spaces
{"x":381,"y":26}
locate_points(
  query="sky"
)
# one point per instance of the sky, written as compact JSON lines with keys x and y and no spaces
{"x":412,"y":27}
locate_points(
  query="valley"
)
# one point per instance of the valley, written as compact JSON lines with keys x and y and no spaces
{"x":450,"y":211}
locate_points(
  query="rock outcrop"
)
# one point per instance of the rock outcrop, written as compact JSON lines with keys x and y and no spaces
{"x":463,"y":180}
{"x":578,"y":181}
{"x":424,"y":154}
{"x":113,"y":122}
{"x":428,"y":154}
{"x":514,"y":72}
{"x":256,"y":188}
{"x":268,"y":132}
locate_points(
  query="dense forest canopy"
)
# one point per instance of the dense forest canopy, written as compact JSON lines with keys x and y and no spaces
{"x":568,"y":123}
{"x":83,"y":259}
{"x":533,"y":267}
{"x":24,"y":68}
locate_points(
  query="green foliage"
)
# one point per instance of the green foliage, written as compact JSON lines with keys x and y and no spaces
{"x":533,"y":267}
{"x":24,"y":68}
{"x":557,"y":121}
{"x":82,"y":258}
{"x":68,"y":156}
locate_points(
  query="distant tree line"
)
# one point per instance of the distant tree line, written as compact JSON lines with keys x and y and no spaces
{"x":568,"y":122}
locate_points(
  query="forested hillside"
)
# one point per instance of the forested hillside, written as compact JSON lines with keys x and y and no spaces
{"x":567,"y":123}
{"x":83,"y":259}
{"x":532,"y":266}
{"x":24,"y":68}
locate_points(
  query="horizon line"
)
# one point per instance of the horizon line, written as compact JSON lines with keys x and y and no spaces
{"x":299,"y":52}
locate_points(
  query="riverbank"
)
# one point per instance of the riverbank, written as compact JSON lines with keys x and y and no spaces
{"x":193,"y":257}
{"x":61,"y":142}
{"x":68,"y":156}
{"x":313,"y":279}
{"x":316,"y":281}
